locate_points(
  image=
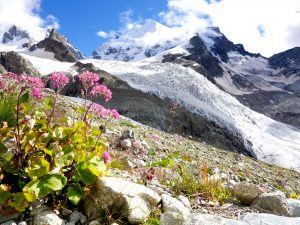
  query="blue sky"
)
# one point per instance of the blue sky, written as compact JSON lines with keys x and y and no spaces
{"x":81,"y":22}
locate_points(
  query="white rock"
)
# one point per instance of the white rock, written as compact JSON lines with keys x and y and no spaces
{"x":171,"y":218}
{"x":46,"y":218}
{"x":269,"y":219}
{"x":207,"y":219}
{"x":94,"y":222}
{"x":126,"y":144}
{"x":294,"y":206}
{"x":185,"y":201}
{"x":10,"y":222}
{"x":133,"y":201}
{"x":22,"y":223}
{"x":171,"y":204}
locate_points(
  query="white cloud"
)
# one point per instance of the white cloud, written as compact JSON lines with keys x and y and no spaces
{"x":265,"y":26}
{"x":102,"y":34}
{"x":25,"y":13}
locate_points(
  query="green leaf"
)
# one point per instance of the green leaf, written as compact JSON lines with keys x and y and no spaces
{"x":48,"y":103}
{"x":97,"y":166}
{"x":75,"y":194}
{"x":38,"y":167}
{"x":19,"y":202}
{"x":67,"y":158}
{"x":3,"y":149}
{"x":24,"y":97}
{"x":46,"y":185}
{"x":4,"y":195}
{"x":84,"y":174}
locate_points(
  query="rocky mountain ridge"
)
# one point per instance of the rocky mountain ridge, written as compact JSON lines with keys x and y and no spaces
{"x":241,"y":73}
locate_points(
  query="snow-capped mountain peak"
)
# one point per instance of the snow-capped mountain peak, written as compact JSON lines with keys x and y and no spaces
{"x":12,"y":35}
{"x":140,"y":42}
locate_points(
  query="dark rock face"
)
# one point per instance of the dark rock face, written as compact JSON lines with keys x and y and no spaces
{"x":222,"y":46}
{"x":2,"y":69}
{"x":201,"y":55}
{"x":206,"y":63}
{"x":13,"y":62}
{"x":280,"y":106}
{"x":57,"y":44}
{"x":288,"y":60}
{"x":15,"y":33}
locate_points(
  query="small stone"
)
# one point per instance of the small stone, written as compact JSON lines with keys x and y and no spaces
{"x":94,"y":222}
{"x":126,"y":144}
{"x":39,"y":210}
{"x":46,"y":218}
{"x":246,"y":192}
{"x":66,"y":212}
{"x":71,"y":223}
{"x":22,"y":223}
{"x":128,"y":134}
{"x":75,"y":216}
{"x":171,"y":218}
{"x":294,"y":206}
{"x":10,"y":222}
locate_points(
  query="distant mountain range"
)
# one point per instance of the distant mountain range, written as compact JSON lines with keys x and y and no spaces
{"x":267,"y":85}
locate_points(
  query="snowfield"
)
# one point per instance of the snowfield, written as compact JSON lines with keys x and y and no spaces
{"x":268,"y":140}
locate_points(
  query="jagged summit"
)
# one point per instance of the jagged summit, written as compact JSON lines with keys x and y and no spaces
{"x":59,"y":45}
{"x":15,"y":36}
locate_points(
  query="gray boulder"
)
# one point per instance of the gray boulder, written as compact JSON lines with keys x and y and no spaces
{"x":246,"y":192}
{"x":294,"y":206}
{"x":171,"y":218}
{"x":171,"y":204}
{"x":207,"y":219}
{"x":275,"y":203}
{"x":121,"y":199}
{"x":46,"y":218}
{"x":269,"y":219}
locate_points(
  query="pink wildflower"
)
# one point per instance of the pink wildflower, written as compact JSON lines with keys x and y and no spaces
{"x":10,"y":75}
{"x":114,"y":113}
{"x":100,"y":89}
{"x":59,"y":80}
{"x":88,"y":79}
{"x":37,"y":93}
{"x":106,"y":157}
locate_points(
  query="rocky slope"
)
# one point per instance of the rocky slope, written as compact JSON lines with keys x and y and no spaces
{"x":157,"y":172}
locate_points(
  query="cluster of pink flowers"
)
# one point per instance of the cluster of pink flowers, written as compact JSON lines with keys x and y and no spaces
{"x":35,"y":84}
{"x":102,"y":112}
{"x":106,"y":157}
{"x":59,"y":80}
{"x":99,"y":90}
{"x":88,"y":79}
